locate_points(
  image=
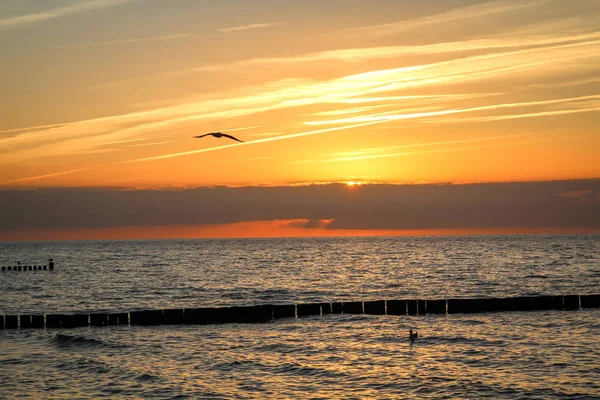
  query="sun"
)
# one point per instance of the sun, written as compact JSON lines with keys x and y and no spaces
{"x":354,"y":183}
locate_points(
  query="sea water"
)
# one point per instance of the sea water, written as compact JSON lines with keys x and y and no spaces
{"x":546,"y":354}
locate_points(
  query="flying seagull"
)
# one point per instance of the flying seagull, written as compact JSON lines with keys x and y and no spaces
{"x":219,"y":135}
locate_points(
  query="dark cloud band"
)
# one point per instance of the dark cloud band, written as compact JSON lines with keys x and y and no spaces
{"x":556,"y":204}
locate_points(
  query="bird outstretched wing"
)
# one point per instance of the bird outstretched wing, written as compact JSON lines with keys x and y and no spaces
{"x":201,"y":136}
{"x":231,"y":137}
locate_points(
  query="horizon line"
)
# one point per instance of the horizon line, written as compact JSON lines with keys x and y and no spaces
{"x":363,"y":182}
{"x":127,"y":233}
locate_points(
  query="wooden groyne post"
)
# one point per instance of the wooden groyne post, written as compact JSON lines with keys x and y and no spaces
{"x":268,"y":312}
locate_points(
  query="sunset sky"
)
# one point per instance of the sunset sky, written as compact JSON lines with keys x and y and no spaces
{"x":103,"y":97}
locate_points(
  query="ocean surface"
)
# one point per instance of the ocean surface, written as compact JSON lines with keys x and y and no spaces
{"x":507,"y":355}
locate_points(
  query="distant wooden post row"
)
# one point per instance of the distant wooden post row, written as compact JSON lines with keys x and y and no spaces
{"x":19,"y":267}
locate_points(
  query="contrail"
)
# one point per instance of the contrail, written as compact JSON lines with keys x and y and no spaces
{"x":166,"y":156}
{"x":271,"y":139}
{"x":71,"y":171}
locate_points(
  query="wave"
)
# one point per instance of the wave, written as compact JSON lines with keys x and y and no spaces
{"x":280,"y":348}
{"x":146,"y":377}
{"x":463,"y":339}
{"x":537,"y":276}
{"x":65,"y":340}
{"x":62,"y":339}
{"x":293,"y":368}
{"x":237,"y":365}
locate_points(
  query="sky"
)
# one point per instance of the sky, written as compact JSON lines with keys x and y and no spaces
{"x":411,"y":109}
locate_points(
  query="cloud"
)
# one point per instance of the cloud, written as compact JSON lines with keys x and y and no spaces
{"x":125,"y":41}
{"x":379,"y":152}
{"x":250,"y":229}
{"x":350,"y":110}
{"x":149,"y":144}
{"x":310,"y":224}
{"x":537,"y":114}
{"x":357,"y":55}
{"x":243,"y":128}
{"x":262,"y":134}
{"x":374,"y":53}
{"x":581,"y":195}
{"x":253,"y":142}
{"x":347,"y":123}
{"x":121,"y":141}
{"x":180,"y":154}
{"x":29,"y":128}
{"x":55,"y":174}
{"x":567,"y":83}
{"x":385,"y":87}
{"x":246,"y":27}
{"x":446,"y":150}
{"x":394,"y":117}
{"x":529,"y":205}
{"x":476,"y":11}
{"x":232,"y":160}
{"x":78,"y":7}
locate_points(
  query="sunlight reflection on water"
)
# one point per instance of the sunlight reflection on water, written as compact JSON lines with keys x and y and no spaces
{"x":503,"y":355}
{"x":130,"y":275}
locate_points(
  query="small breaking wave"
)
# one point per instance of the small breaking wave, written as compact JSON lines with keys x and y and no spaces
{"x":65,"y":340}
{"x":62,"y":339}
{"x":292,"y":368}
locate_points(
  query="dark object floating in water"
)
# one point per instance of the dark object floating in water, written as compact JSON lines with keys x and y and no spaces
{"x":413,"y":335}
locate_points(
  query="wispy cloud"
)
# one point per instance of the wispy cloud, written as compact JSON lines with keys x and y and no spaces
{"x":234,"y":160}
{"x":78,"y":7}
{"x":244,"y":128}
{"x":538,"y":114}
{"x":430,"y":98}
{"x":378,"y":85}
{"x":126,"y":41}
{"x":149,"y":144}
{"x":394,"y":117}
{"x":181,"y":154}
{"x":54,"y":174}
{"x":401,"y":89}
{"x":121,"y":141}
{"x":246,"y":27}
{"x":373,"y":53}
{"x":451,"y":149}
{"x":464,"y":13}
{"x":17,"y":131}
{"x":265,"y":134}
{"x":384,"y":152}
{"x":271,"y":139}
{"x":500,"y":46}
{"x":576,"y":82}
{"x":346,"y":111}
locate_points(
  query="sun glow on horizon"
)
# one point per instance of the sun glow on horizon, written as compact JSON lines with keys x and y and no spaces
{"x":354,"y":183}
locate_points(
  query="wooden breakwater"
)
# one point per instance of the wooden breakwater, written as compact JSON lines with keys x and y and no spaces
{"x":19,"y":267}
{"x":267,"y":312}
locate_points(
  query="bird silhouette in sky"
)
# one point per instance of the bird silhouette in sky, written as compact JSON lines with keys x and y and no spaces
{"x":219,"y":135}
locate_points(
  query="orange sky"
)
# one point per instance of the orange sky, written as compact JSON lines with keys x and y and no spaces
{"x":109,"y":93}
{"x":260,"y":229}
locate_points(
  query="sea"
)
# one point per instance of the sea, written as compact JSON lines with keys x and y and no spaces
{"x":502,"y":355}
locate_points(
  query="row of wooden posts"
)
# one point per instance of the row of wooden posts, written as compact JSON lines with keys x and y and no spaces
{"x":267,"y":312}
{"x":19,"y":267}
{"x":28,"y":268}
